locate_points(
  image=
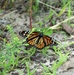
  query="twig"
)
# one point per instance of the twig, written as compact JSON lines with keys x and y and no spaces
{"x":55,"y":26}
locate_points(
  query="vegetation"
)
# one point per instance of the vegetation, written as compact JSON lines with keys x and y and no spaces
{"x":10,"y":57}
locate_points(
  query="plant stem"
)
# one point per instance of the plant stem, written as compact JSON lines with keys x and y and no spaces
{"x":30,"y":14}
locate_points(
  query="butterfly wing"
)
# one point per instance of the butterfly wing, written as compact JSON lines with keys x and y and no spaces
{"x":32,"y":38}
{"x":23,"y":33}
{"x":44,"y":41}
{"x":35,"y":39}
{"x":48,"y":40}
{"x":40,"y":44}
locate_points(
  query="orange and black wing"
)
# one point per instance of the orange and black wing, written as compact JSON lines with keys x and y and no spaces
{"x":48,"y":40}
{"x":40,"y":44}
{"x":44,"y":41}
{"x":37,"y":40}
{"x":32,"y":38}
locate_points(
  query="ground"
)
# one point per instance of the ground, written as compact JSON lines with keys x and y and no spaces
{"x":21,"y":22}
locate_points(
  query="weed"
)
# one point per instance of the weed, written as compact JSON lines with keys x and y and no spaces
{"x":53,"y":69}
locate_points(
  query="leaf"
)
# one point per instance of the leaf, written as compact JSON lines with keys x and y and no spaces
{"x":47,"y":31}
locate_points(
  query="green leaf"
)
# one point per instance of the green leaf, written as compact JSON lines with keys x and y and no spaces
{"x":47,"y":31}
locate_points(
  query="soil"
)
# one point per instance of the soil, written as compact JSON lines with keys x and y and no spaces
{"x":20,"y":21}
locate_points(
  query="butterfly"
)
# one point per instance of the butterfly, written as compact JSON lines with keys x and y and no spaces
{"x":37,"y":39}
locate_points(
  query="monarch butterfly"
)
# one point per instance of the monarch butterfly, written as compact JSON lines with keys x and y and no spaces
{"x":37,"y":39}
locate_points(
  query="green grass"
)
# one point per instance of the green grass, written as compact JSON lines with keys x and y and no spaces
{"x":7,"y":57}
{"x":8,"y":61}
{"x":29,"y":72}
{"x":64,"y":8}
{"x":57,"y":63}
{"x":9,"y":54}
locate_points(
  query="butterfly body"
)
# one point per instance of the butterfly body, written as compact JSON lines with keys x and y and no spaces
{"x":38,"y":40}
